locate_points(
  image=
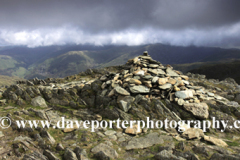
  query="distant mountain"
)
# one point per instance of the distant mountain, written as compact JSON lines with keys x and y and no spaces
{"x":220,"y":70}
{"x":61,"y":61}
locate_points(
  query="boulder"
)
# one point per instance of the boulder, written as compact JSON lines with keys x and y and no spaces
{"x":122,"y":91}
{"x":199,"y":110}
{"x":39,"y":101}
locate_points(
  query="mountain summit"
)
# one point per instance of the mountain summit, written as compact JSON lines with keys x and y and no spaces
{"x":141,"y":90}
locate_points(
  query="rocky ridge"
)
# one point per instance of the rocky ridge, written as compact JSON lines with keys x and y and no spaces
{"x":142,"y":88}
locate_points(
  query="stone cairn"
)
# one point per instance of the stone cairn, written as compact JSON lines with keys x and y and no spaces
{"x":149,"y":77}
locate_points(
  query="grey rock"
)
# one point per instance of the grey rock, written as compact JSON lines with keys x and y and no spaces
{"x":201,"y":150}
{"x":153,"y":65}
{"x":217,"y":156}
{"x":171,"y":73}
{"x":107,"y":150}
{"x":210,"y":94}
{"x":48,"y":136}
{"x":69,"y":155}
{"x":155,"y":79}
{"x":139,"y":89}
{"x":41,"y":114}
{"x":39,"y":101}
{"x":124,"y":105}
{"x":102,"y":156}
{"x":59,"y":147}
{"x":165,"y":86}
{"x":167,"y":155}
{"x":33,"y":156}
{"x":144,"y":142}
{"x":181,"y":102}
{"x":184,"y":94}
{"x":187,"y":155}
{"x":50,"y":155}
{"x":81,"y":153}
{"x":122,"y":91}
{"x":112,"y":137}
{"x":193,"y":133}
{"x":125,"y":72}
{"x":110,"y":132}
{"x":156,"y":71}
{"x":199,"y":110}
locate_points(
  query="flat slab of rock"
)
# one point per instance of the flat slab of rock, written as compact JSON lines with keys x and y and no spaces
{"x":171,"y":73}
{"x":165,"y":86}
{"x":139,"y":89}
{"x":184,"y":94}
{"x":50,"y":155}
{"x":156,"y":71}
{"x":107,"y":150}
{"x":153,"y":65}
{"x":216,"y":141}
{"x":122,"y":91}
{"x":199,"y":110}
{"x":144,"y":142}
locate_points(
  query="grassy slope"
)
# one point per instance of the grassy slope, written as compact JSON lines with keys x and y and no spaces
{"x":7,"y":80}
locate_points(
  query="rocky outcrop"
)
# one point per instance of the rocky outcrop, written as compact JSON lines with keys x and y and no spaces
{"x":39,"y":101}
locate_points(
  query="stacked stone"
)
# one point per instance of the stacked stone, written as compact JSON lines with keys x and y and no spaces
{"x":150,"y":78}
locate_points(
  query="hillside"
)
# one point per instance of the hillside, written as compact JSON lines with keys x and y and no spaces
{"x":7,"y":81}
{"x":220,"y":70}
{"x":59,"y":61}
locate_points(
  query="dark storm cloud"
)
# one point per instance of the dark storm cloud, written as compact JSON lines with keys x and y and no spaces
{"x":185,"y":22}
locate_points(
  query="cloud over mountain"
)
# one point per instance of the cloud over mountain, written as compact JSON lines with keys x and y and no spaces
{"x":99,"y":22}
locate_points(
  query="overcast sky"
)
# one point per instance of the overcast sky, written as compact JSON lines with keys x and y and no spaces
{"x":131,"y":22}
